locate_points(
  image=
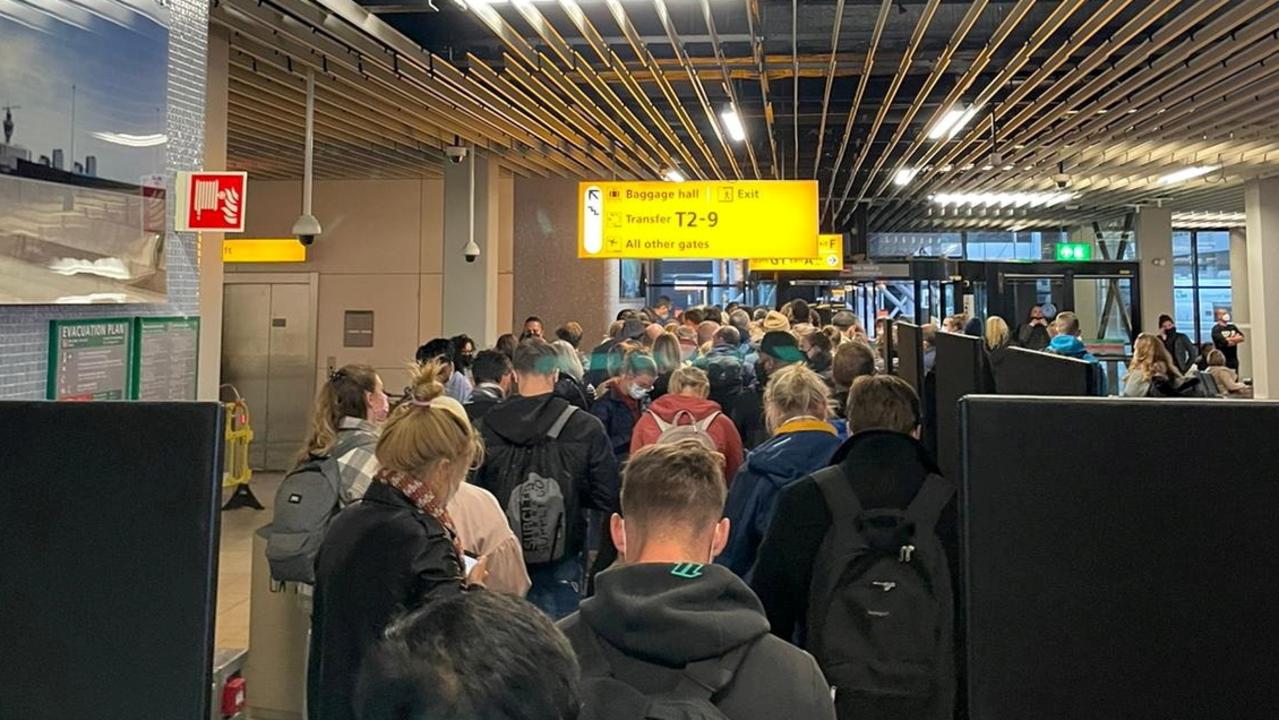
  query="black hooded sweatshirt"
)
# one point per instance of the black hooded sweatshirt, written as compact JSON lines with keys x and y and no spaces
{"x":584,"y":449}
{"x":653,"y":619}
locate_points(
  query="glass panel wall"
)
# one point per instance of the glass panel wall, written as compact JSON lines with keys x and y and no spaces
{"x":1201,"y":280}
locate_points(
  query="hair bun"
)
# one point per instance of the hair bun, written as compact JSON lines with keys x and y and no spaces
{"x":427,"y":380}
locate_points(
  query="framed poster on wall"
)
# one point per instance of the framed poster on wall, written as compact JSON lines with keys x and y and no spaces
{"x":90,"y":359}
{"x":166,"y":358}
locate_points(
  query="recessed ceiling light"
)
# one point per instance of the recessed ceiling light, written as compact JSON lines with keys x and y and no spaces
{"x":1185,"y":174}
{"x":733,"y":124}
{"x":1006,"y":168}
{"x":1008,"y":199}
{"x":903,"y":176}
{"x":673,"y":175}
{"x":987,"y":168}
{"x":952,"y":122}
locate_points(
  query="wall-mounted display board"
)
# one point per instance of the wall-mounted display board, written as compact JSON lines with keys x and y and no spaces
{"x":166,"y":358}
{"x":90,"y":359}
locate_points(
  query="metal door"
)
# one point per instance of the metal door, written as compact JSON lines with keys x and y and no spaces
{"x":268,"y":354}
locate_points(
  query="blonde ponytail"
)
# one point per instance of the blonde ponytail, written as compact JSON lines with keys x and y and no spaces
{"x":428,"y":428}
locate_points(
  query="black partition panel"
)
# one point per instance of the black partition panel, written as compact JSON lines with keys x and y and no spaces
{"x":959,"y":371}
{"x":108,"y":559}
{"x":1120,"y":558}
{"x":1027,"y":372}
{"x":910,"y":354}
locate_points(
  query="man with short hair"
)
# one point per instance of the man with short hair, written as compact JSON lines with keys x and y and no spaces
{"x":706,"y":331}
{"x":886,"y":467}
{"x":1227,"y":338}
{"x":666,"y":613}
{"x":493,"y":379}
{"x":571,"y":333}
{"x":1067,"y":343}
{"x":1183,"y":351}
{"x":456,"y":385}
{"x":662,"y":309}
{"x":537,"y":433}
{"x":532,"y":327}
{"x":477,"y":655}
{"x":693,"y":317}
{"x":852,"y":360}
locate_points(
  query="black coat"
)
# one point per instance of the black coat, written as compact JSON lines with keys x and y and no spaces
{"x":484,"y":398}
{"x":584,"y":449}
{"x":381,"y":556}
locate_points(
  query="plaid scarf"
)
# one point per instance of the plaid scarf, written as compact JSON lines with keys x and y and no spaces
{"x":426,"y":501}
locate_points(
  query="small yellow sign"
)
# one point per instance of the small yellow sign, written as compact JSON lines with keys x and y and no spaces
{"x":830,"y":256}
{"x":263,"y":250}
{"x":727,"y":219}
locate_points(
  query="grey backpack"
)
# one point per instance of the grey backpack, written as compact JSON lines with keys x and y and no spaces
{"x":694,"y":429}
{"x":537,"y":490}
{"x":308,"y":498}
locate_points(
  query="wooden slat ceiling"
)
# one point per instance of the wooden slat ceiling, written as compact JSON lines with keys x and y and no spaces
{"x":1105,"y":96}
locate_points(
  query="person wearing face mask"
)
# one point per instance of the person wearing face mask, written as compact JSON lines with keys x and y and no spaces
{"x":397,"y":549}
{"x":1033,"y":334}
{"x":463,"y":353}
{"x":1227,"y":338}
{"x":621,"y":401}
{"x":1178,"y":345}
{"x":348,"y":410}
{"x":665,"y":613}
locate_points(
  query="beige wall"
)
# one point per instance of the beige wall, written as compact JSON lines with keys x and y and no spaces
{"x":381,"y":250}
{"x":549,"y":279}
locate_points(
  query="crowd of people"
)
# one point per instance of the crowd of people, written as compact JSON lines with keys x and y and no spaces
{"x":728,"y":511}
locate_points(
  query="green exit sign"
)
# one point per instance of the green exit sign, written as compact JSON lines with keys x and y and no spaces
{"x":1074,"y":252}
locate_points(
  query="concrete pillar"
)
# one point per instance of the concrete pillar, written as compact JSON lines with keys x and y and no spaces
{"x":470,"y":288}
{"x":210,"y":244}
{"x":1239,"y":300}
{"x":1261,"y":200}
{"x":1154,"y":248}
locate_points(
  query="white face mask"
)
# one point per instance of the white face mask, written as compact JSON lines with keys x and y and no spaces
{"x":639,"y":393}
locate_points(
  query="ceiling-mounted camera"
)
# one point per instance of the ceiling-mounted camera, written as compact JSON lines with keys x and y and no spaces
{"x":456,"y":153}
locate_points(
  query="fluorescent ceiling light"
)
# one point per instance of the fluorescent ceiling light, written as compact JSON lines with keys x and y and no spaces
{"x":135,"y":141}
{"x":673,"y":175}
{"x":1016,"y":228}
{"x":904,"y":176}
{"x":952,"y":122}
{"x":733,"y":124}
{"x":1185,"y":174}
{"x":1011,"y":199}
{"x":1208,"y":219}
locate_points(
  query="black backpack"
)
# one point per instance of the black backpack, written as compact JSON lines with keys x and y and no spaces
{"x":536,"y":489}
{"x":881,"y":614}
{"x":308,"y":498}
{"x":605,"y":697}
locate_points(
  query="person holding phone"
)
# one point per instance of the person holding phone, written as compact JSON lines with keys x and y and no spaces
{"x":1033,"y":334}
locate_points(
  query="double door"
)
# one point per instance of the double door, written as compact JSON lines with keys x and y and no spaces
{"x":268,"y":355}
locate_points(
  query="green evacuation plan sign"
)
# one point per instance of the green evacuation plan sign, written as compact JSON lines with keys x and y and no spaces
{"x":90,"y":359}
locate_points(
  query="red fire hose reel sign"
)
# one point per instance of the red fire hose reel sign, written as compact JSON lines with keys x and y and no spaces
{"x":211,"y":201}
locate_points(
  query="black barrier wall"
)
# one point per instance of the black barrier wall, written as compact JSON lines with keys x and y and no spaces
{"x":910,"y":354}
{"x":1120,"y":558}
{"x":108,"y":559}
{"x":960,"y":371}
{"x":1027,"y":372}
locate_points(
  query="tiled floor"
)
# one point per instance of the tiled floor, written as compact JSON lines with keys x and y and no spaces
{"x":235,"y":563}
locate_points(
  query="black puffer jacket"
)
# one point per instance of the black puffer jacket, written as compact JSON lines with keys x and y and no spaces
{"x":380,"y":557}
{"x":583,"y":446}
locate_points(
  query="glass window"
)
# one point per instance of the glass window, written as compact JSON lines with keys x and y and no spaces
{"x":1182,"y":259}
{"x":1201,"y":279}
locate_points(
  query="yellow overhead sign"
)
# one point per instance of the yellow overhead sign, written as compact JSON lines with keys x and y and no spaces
{"x":830,"y":256}
{"x":266,"y":250}
{"x":727,"y":219}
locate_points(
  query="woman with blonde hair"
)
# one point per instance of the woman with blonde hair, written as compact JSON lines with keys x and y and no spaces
{"x":796,"y":413}
{"x":1228,"y":384}
{"x":996,"y":342}
{"x":348,"y":409}
{"x":688,"y":404}
{"x":669,"y":358}
{"x":397,"y":549}
{"x":569,"y":384}
{"x":1150,"y":363}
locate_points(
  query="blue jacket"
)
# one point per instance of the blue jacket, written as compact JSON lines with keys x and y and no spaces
{"x":1071,"y":346}
{"x":799,"y":448}
{"x":619,"y":417}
